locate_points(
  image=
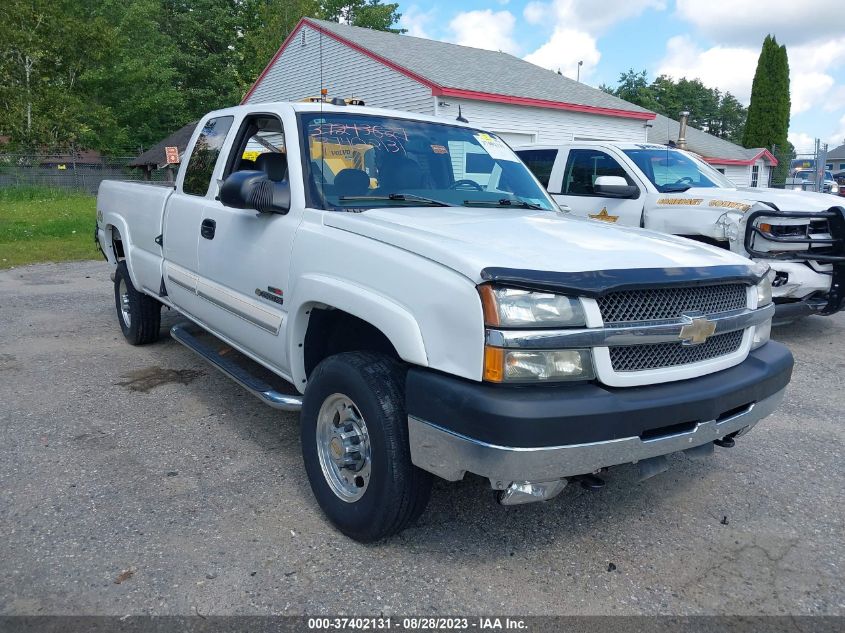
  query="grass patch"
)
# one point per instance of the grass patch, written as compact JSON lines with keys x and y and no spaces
{"x":38,"y":224}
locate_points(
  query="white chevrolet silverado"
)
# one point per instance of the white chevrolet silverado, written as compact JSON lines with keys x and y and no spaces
{"x":801,"y":235}
{"x":349,"y":263}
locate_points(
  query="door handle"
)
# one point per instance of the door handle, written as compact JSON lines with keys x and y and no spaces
{"x":207,"y":229}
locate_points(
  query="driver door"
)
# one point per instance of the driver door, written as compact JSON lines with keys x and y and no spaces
{"x":244,"y":257}
{"x":582,"y":168}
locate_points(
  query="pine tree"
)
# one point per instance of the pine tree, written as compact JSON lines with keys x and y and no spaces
{"x":768,"y":114}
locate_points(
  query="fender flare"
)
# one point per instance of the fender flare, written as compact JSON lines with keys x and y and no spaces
{"x":392,"y":319}
{"x":115,"y":224}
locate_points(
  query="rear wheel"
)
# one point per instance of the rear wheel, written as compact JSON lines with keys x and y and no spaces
{"x":355,"y":446}
{"x":139,"y":315}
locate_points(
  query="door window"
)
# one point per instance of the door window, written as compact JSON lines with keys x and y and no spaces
{"x":755,"y":175}
{"x":260,"y":146}
{"x":585,"y":165}
{"x":204,"y":155}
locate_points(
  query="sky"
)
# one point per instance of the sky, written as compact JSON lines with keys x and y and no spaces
{"x":716,"y":41}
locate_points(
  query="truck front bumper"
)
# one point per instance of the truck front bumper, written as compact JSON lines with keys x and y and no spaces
{"x":542,"y":434}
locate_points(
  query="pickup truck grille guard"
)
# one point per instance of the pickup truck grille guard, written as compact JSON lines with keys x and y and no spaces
{"x":835,"y":254}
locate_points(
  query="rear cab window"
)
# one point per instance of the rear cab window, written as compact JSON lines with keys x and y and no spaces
{"x":540,"y":162}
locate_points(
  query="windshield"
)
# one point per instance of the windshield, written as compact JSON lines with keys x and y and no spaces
{"x":671,"y":170}
{"x":358,"y":161}
{"x":806,"y":174}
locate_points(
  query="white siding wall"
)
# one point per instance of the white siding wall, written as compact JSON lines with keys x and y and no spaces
{"x":545,"y":125}
{"x":764,"y":173}
{"x":346,"y":73}
{"x":740,"y":175}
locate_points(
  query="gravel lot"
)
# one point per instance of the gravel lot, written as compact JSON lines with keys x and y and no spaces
{"x":140,"y":481}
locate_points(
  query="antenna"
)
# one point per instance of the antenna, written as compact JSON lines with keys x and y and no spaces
{"x":460,"y":116}
{"x":323,"y":93}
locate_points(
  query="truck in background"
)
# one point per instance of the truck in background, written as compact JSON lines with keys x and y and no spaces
{"x":800,"y":235}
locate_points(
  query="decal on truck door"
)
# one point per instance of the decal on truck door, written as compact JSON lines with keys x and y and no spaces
{"x":604,"y":216}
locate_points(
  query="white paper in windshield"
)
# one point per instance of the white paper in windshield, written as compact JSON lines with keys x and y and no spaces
{"x":496,"y":148}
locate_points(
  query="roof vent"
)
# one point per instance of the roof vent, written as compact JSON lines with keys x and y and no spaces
{"x":682,"y":132}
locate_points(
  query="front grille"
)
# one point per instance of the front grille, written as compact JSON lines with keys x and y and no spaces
{"x":642,"y":357}
{"x":658,"y":304}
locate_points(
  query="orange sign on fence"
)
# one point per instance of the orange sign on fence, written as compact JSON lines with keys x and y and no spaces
{"x":172,"y":155}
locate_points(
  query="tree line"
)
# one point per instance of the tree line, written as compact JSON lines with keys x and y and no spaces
{"x":711,"y":110}
{"x":120,"y":75}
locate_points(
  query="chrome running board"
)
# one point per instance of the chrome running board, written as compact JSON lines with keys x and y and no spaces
{"x":184,"y":333}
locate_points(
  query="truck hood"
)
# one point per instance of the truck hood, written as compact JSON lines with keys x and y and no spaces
{"x":783,"y":199}
{"x":468,"y":240}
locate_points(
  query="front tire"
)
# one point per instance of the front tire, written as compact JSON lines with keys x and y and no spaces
{"x":139,"y":315}
{"x":354,"y":432}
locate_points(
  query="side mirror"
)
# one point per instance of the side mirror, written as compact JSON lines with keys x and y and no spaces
{"x":254,"y":190}
{"x":615,"y":187}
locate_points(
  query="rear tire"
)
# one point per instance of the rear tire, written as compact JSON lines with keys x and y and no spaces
{"x":354,"y":432}
{"x":139,"y":315}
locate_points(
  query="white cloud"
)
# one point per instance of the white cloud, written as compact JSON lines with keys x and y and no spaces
{"x":576,"y":26}
{"x":564,"y":50}
{"x":485,"y":29}
{"x":587,"y":15}
{"x":747,"y":23}
{"x":416,"y":21}
{"x":837,"y":138}
{"x":802,"y":142}
{"x":730,"y":69}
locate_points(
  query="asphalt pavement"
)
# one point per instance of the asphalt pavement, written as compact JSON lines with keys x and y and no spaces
{"x":137,"y":480}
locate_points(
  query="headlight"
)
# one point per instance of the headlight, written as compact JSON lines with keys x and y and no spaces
{"x":510,"y":365}
{"x":508,"y":307}
{"x":762,"y":333}
{"x":834,"y":188}
{"x":764,"y":292}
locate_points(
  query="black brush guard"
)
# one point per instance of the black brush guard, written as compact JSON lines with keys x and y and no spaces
{"x":834,"y":255}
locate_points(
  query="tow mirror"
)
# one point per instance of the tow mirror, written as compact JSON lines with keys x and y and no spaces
{"x":254,"y":190}
{"x":614,"y":187}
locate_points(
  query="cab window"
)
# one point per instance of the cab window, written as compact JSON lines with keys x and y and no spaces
{"x":204,"y":155}
{"x":540,"y":162}
{"x":585,"y":165}
{"x":260,"y":146}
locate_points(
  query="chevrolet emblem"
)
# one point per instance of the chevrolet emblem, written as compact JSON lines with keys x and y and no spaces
{"x":697,"y":330}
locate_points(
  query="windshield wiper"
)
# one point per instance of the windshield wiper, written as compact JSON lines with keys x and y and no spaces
{"x":402,"y":197}
{"x":504,"y":202}
{"x":675,"y":188}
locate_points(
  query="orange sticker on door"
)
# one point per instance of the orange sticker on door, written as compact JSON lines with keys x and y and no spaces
{"x":439,"y":149}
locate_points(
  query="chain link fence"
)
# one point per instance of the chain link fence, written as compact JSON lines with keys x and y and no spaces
{"x":78,"y":173}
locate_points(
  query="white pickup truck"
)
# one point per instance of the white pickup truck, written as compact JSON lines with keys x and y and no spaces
{"x":801,"y":235}
{"x":425,"y":321}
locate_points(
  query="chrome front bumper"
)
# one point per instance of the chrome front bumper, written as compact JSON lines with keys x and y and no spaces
{"x":450,"y":455}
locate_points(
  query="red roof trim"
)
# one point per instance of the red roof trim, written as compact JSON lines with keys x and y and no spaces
{"x":734,"y":161}
{"x":437,"y":90}
{"x":542,"y":103}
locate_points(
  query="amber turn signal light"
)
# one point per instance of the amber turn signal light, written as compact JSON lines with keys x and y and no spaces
{"x":494,"y":364}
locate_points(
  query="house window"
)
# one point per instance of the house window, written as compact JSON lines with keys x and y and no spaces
{"x":841,"y":166}
{"x":721,"y":170}
{"x":755,"y":174}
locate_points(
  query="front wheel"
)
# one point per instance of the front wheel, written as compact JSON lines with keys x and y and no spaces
{"x":355,"y":446}
{"x":139,"y":315}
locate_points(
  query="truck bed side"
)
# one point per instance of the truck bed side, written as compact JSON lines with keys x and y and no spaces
{"x":133,"y":213}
